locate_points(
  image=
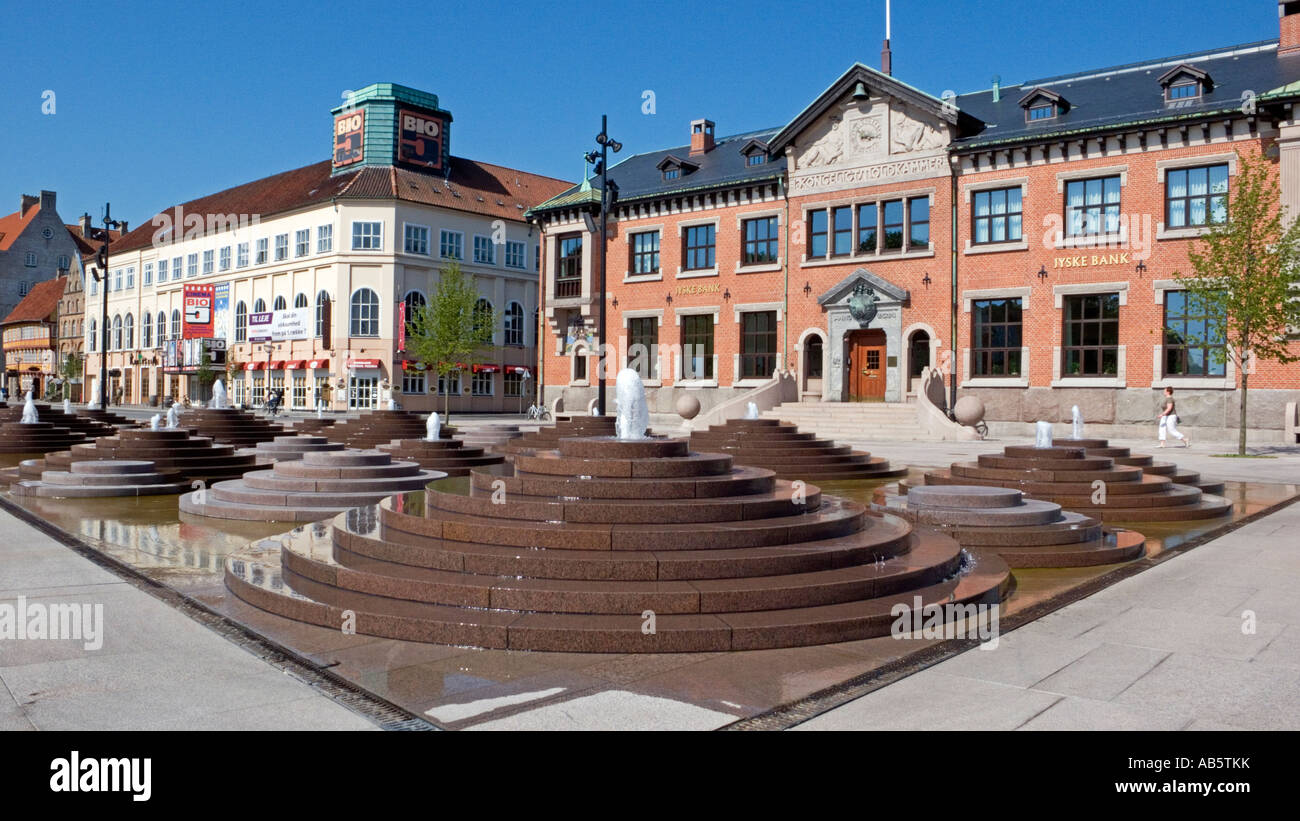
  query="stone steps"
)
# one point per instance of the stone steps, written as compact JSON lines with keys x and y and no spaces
{"x":102,"y":478}
{"x":791,"y":453}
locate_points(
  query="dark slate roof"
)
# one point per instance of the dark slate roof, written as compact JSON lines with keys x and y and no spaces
{"x":1130,"y":94}
{"x":638,"y":177}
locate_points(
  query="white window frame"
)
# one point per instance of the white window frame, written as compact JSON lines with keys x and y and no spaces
{"x":459,"y":244}
{"x":324,"y":238}
{"x":367,"y":239}
{"x":407,"y":228}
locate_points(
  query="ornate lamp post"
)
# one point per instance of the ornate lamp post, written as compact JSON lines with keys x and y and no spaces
{"x":608,"y":196}
{"x":100,"y":273}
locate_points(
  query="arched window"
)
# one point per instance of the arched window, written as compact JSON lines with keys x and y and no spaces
{"x":117,"y":333}
{"x":259,"y":306}
{"x":322,"y":313}
{"x":241,"y":322}
{"x":414,"y":301}
{"x":162,"y":328}
{"x":280,"y":304}
{"x":129,"y":327}
{"x":176,"y":323}
{"x":146,"y":331}
{"x":483,"y":320}
{"x":300,"y":301}
{"x":365,"y":313}
{"x":90,"y":338}
{"x":514,"y":324}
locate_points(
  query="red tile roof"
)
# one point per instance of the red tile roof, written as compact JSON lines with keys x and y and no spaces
{"x":40,"y":302}
{"x":12,"y":226}
{"x":480,"y":188}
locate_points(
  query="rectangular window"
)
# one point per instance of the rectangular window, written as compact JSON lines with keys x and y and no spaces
{"x":162,"y":271}
{"x":241,"y":255}
{"x":259,"y":391}
{"x":697,"y":346}
{"x":868,"y":228}
{"x":996,"y":337}
{"x":484,"y":250}
{"x":1042,"y":112}
{"x":449,"y":383}
{"x":516,"y":254}
{"x":191,"y":265}
{"x":568,"y":269}
{"x":893,"y":227}
{"x":481,"y":383}
{"x":177,"y":262}
{"x":302,"y":242}
{"x":451,"y":245}
{"x":363,"y":392}
{"x":148,"y":273}
{"x":1183,"y":91}
{"x":918,"y":223}
{"x":117,"y":281}
{"x":298,"y":397}
{"x":324,"y":239}
{"x":1091,"y":335}
{"x":223,"y":259}
{"x":842,"y":226}
{"x":1193,"y":339}
{"x":757,"y":344}
{"x":367,"y":236}
{"x":1196,"y":197}
{"x":208,"y":261}
{"x":645,"y":253}
{"x":996,"y":216}
{"x":700,"y":247}
{"x":1092,"y":206}
{"x":281,"y":247}
{"x":818,"y":232}
{"x":762,"y":243}
{"x":513,"y":384}
{"x":416,"y":239}
{"x":412,"y":381}
{"x":643,"y":346}
{"x":130,"y":277}
{"x":261,"y":251}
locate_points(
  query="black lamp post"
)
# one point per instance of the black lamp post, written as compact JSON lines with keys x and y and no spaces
{"x":100,"y":272}
{"x":608,"y":196}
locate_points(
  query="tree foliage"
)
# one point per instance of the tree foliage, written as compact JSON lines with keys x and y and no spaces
{"x":453,"y":330}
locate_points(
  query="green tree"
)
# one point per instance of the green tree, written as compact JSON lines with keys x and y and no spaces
{"x":72,"y":367}
{"x":206,"y":374}
{"x":453,"y":329}
{"x":1246,"y":275}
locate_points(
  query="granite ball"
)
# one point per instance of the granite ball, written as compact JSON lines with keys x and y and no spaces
{"x":969,"y":410}
{"x":688,"y":407}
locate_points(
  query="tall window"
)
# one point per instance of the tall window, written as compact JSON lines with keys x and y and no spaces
{"x":700,"y":247}
{"x":818,"y":232}
{"x":481,"y":383}
{"x":757,"y":344}
{"x":223,"y":259}
{"x":117,"y":333}
{"x":645,"y":253}
{"x":92,"y":337}
{"x":367,"y":236}
{"x":162,"y":328}
{"x":176,"y":323}
{"x":302,"y":242}
{"x":643,"y":346}
{"x":483,"y":320}
{"x":241,"y":255}
{"x":868,"y":228}
{"x":414,"y":302}
{"x":918,"y":223}
{"x":1190,"y":338}
{"x":515,"y":254}
{"x":416,"y":239}
{"x":148,"y":274}
{"x":514,"y":324}
{"x":996,"y":215}
{"x":177,"y":262}
{"x":484,"y":250}
{"x":300,"y":301}
{"x":162,"y":271}
{"x":762,"y":244}
{"x":1196,"y":197}
{"x":568,"y":270}
{"x":280,"y":304}
{"x":128,"y":327}
{"x":1092,"y":206}
{"x":893,"y":227}
{"x":281,"y":247}
{"x":451,"y":245}
{"x":842,"y":231}
{"x":241,"y":322}
{"x":996,"y":337}
{"x":697,"y":346}
{"x":322,"y":313}
{"x":192,"y":265}
{"x":146,"y":330}
{"x":1091,"y":335}
{"x":208,"y":261}
{"x":365,"y":313}
{"x":513,"y":384}
{"x":259,"y":306}
{"x":117,"y":281}
{"x":260,"y":259}
{"x":324,"y":239}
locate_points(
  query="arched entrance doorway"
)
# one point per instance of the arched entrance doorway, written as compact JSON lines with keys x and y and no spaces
{"x":865,"y":362}
{"x":814,"y":355}
{"x":918,"y":358}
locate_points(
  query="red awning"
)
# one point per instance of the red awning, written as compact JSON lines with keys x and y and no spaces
{"x":277,"y":365}
{"x":486,"y":368}
{"x":253,"y":366}
{"x":293,"y":365}
{"x":408,"y":365}
{"x":362,"y":364}
{"x":520,"y":369}
{"x":318,"y":363}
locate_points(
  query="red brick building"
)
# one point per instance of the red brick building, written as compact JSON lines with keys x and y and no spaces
{"x":1024,"y":239}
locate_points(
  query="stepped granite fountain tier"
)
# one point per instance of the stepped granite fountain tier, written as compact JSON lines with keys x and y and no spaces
{"x":172,"y":450}
{"x":447,"y":454}
{"x":375,"y":428}
{"x":488,"y":436}
{"x":312,"y":425}
{"x":231,"y":426}
{"x":1094,"y":485}
{"x":1122,"y":456}
{"x":107,"y":417}
{"x":86,"y":426}
{"x":288,"y":448}
{"x":1024,"y":532}
{"x":317,"y":486}
{"x":547,"y":437}
{"x":781,"y":447}
{"x":618,"y":546}
{"x":102,"y":478}
{"x":37,"y":437}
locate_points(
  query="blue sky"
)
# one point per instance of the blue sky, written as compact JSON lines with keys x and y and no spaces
{"x":160,"y":103}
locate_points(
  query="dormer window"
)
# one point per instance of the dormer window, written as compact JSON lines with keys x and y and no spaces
{"x":1041,"y":105}
{"x":672,"y":173}
{"x":674,"y":168}
{"x":755,"y":152}
{"x":755,"y":159}
{"x":1185,"y":82}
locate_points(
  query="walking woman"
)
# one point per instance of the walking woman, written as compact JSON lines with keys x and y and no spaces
{"x":1168,"y":418}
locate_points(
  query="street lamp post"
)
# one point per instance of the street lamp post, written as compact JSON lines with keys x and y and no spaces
{"x":100,"y":272}
{"x":608,"y":196}
{"x":269,"y":348}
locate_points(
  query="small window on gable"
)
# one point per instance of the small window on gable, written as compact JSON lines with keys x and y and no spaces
{"x":755,"y":152}
{"x":1041,"y":105}
{"x":1185,"y":82}
{"x":672,"y":173}
{"x":1042,"y":112}
{"x":755,"y":159}
{"x":673,"y":168}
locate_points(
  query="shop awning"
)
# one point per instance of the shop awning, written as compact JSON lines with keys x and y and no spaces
{"x":486,"y":368}
{"x":277,"y":365}
{"x":318,"y":363}
{"x":409,"y":365}
{"x":253,"y":366}
{"x":294,"y":365}
{"x":520,"y":369}
{"x":362,"y":364}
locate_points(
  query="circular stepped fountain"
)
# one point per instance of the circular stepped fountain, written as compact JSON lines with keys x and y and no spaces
{"x":781,"y":447}
{"x":1122,"y":456}
{"x":87,"y":427}
{"x":287,"y":448}
{"x":447,"y":454}
{"x":317,"y":486}
{"x":1089,"y":484}
{"x":375,"y":428}
{"x":312,"y":425}
{"x":107,"y":417}
{"x":231,"y":426}
{"x":1024,"y":532}
{"x":567,"y":550}
{"x":172,"y":450}
{"x":547,"y":437}
{"x":36,"y":437}
{"x":489,"y":436}
{"x":102,"y":478}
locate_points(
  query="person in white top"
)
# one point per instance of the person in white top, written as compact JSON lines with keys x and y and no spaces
{"x":1167,"y":419}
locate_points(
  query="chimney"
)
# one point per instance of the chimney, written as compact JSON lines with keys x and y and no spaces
{"x":1288,"y":14}
{"x":28,"y":202}
{"x":886,"y":60}
{"x":124,"y":229}
{"x":701,"y":137}
{"x":85,"y":225}
{"x":47,"y":201}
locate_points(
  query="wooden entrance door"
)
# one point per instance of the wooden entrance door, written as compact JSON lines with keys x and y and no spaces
{"x":866,"y":364}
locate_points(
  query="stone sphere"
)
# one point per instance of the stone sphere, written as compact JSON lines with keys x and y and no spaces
{"x":969,"y":410}
{"x":688,"y":407}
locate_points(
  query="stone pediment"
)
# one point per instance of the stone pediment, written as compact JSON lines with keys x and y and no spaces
{"x":884,"y":290}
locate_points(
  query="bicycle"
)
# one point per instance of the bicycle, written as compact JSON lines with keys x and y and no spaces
{"x":537,"y":413}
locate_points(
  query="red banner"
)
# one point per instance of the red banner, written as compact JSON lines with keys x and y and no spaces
{"x":197,"y":317}
{"x":349,"y":134}
{"x":401,"y":326}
